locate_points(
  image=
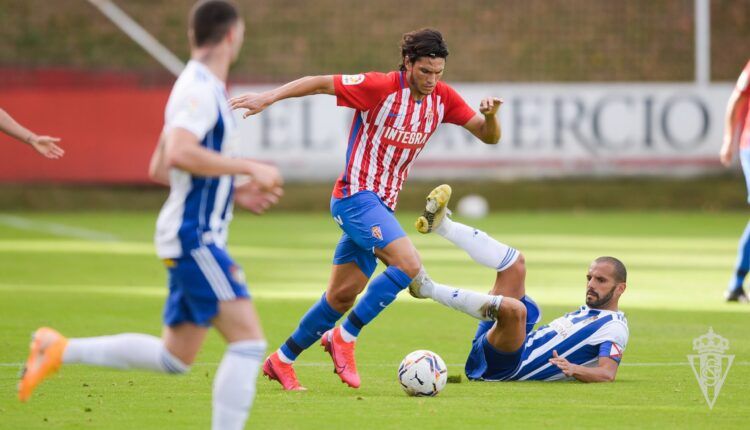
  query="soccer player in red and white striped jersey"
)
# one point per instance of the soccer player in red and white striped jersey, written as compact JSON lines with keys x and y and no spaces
{"x":395,"y":115}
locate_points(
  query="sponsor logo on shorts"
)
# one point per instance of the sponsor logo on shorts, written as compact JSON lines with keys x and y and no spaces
{"x":376,"y":233}
{"x":352,"y":79}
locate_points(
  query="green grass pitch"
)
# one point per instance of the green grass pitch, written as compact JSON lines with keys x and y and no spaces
{"x":90,"y":274}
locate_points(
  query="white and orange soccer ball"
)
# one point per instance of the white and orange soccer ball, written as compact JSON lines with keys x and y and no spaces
{"x":423,"y":373}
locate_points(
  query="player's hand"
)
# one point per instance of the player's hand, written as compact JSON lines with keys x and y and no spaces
{"x":266,"y":177}
{"x":251,"y":197}
{"x":253,"y":102}
{"x":566,"y":366}
{"x":45,"y":145}
{"x":726,"y":154}
{"x":490,"y":105}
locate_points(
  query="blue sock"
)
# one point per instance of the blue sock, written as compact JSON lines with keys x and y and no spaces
{"x":381,"y":293}
{"x":742,"y":266}
{"x":320,"y":318}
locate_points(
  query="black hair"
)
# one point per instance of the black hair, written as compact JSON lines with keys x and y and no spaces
{"x":426,"y":42}
{"x":621,"y":274}
{"x":210,"y":21}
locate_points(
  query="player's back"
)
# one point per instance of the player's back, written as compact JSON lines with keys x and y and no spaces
{"x":581,"y":337}
{"x":198,"y":209}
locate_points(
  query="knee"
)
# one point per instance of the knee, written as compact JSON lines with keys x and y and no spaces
{"x":519,"y":266}
{"x":512,"y":311}
{"x":173,"y":364}
{"x":342,"y":297}
{"x":410,"y":265}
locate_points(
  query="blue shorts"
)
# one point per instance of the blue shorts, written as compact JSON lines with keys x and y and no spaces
{"x":198,"y":281}
{"x":367,"y":224}
{"x":745,"y":163}
{"x":487,"y":363}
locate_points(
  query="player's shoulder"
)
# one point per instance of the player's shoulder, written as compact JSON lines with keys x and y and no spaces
{"x":618,"y":323}
{"x":386,"y":80}
{"x":448,"y":94}
{"x":193,"y":92}
{"x":615,"y":329}
{"x":194,"y":80}
{"x":445,"y":88}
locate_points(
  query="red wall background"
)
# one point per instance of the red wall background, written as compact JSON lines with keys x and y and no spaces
{"x":108,"y":132}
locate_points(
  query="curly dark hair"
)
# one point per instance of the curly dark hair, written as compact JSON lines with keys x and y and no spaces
{"x":426,"y":42}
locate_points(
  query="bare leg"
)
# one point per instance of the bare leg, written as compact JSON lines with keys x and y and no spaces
{"x":509,"y":331}
{"x":346,"y":283}
{"x":511,"y":282}
{"x":402,"y":254}
{"x":184,"y":340}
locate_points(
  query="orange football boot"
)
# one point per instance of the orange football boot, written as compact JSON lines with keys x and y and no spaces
{"x":47,"y":347}
{"x":342,"y":354}
{"x":277,"y":370}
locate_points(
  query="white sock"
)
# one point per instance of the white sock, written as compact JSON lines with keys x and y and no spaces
{"x":346,"y":336}
{"x":124,"y":351}
{"x":481,"y":247}
{"x":234,"y":384}
{"x":283,"y":357}
{"x":480,"y":306}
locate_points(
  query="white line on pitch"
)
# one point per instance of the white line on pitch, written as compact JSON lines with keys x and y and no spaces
{"x":55,"y":228}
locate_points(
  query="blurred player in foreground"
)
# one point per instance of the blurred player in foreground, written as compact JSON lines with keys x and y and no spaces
{"x":206,"y":287}
{"x":585,"y":344}
{"x":737,"y":139}
{"x":45,"y":145}
{"x":395,"y":115}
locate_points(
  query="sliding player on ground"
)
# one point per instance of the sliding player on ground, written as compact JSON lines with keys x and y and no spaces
{"x":586,"y":344}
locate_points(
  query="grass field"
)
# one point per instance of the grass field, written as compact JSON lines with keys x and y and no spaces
{"x":96,"y":273}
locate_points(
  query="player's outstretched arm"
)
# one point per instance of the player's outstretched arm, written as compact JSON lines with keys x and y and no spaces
{"x":45,"y":145}
{"x":733,"y":122}
{"x":257,"y":102}
{"x":183,"y":150}
{"x":604,"y":372}
{"x":486,"y":125}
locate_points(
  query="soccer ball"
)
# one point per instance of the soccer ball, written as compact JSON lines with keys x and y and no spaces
{"x":473,"y":206}
{"x":423,"y":373}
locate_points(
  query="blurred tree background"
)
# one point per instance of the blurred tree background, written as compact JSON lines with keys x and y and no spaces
{"x":505,"y":41}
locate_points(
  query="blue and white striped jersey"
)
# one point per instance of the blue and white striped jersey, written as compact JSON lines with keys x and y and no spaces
{"x":198,"y":209}
{"x":581,"y":337}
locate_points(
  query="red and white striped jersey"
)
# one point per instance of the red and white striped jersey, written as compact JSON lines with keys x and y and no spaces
{"x":389,"y":130}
